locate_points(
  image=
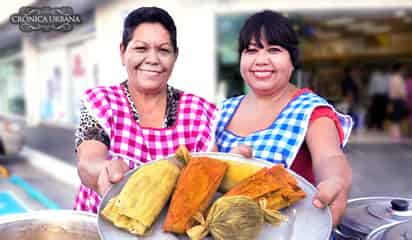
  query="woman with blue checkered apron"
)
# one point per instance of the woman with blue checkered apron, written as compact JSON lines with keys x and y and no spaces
{"x":281,"y":123}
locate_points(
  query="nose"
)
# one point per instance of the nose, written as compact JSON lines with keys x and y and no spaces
{"x":261,"y":58}
{"x":152,"y":57}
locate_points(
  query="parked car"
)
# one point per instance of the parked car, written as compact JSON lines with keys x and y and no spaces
{"x":11,"y":137}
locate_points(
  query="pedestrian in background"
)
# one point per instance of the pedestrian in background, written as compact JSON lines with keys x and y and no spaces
{"x":409,"y":100}
{"x":397,"y":106}
{"x":351,"y":90}
{"x":378,"y":93}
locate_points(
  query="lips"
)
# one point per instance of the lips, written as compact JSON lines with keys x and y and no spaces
{"x":263,"y":74}
{"x":150,"y":72}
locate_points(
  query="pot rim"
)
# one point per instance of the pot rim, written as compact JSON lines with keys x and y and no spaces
{"x":49,"y":215}
{"x":379,"y":230}
{"x":361,"y":201}
{"x":377,"y":198}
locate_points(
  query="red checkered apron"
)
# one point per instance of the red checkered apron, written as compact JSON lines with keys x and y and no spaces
{"x":138,"y":145}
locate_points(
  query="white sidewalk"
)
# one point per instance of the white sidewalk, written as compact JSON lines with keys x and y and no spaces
{"x":55,"y":167}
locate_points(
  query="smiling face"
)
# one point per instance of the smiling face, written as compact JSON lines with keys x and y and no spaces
{"x":266,"y":70}
{"x":149,"y":57}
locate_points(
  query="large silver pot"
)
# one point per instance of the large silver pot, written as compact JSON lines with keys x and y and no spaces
{"x":366,"y":216}
{"x":402,"y":230}
{"x":49,"y":225}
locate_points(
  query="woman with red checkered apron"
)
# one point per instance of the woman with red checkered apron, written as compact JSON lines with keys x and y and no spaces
{"x":141,"y":119}
{"x":291,"y":126}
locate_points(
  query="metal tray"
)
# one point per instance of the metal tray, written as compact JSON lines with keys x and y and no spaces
{"x":305,"y":221}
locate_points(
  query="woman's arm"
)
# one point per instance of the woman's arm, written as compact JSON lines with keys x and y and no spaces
{"x":92,"y":146}
{"x":95,"y":171}
{"x":91,"y":155}
{"x":331,"y":168}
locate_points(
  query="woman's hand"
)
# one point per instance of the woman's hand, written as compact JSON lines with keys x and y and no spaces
{"x":244,"y":150}
{"x":333,"y":193}
{"x":95,"y":171}
{"x":112,"y":173}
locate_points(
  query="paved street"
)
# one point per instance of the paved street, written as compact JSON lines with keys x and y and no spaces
{"x":56,"y":141}
{"x":382,"y":169}
{"x":46,"y":184}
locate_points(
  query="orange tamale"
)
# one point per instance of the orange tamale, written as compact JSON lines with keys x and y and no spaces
{"x":276,"y":185}
{"x":197,"y":184}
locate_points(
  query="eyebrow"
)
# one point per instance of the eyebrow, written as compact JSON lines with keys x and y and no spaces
{"x":161,"y":44}
{"x":269,"y":45}
{"x":166,"y":43}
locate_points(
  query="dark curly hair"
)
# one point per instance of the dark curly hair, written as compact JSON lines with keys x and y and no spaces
{"x":148,"y":15}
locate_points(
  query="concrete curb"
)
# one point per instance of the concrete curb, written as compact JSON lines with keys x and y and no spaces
{"x":53,"y":166}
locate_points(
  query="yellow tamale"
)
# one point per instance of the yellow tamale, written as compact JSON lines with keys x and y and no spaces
{"x":143,"y":197}
{"x":111,"y":212}
{"x":237,"y":172}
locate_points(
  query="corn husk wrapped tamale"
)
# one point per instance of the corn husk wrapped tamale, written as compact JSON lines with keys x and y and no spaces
{"x":143,"y":197}
{"x":183,"y":155}
{"x":275,"y":185}
{"x":234,"y":218}
{"x":111,"y":212}
{"x":197,"y":184}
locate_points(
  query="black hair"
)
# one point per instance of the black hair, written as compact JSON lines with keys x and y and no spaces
{"x":397,"y":66}
{"x":148,"y":15}
{"x":277,"y":29}
{"x":347,"y":69}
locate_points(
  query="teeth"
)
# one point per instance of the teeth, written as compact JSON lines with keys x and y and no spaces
{"x":151,"y":73}
{"x":262,"y":74}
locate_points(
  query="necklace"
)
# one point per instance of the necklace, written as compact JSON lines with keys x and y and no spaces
{"x":135,"y":112}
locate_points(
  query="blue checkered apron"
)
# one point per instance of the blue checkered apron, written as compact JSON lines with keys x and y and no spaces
{"x":281,"y":141}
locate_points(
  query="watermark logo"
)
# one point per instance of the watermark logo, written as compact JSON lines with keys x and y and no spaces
{"x":45,"y":19}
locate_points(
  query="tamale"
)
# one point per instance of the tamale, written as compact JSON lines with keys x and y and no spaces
{"x":276,"y":185}
{"x":290,"y":194}
{"x":284,"y":198}
{"x":237,"y":172}
{"x":197,"y":184}
{"x":183,"y":154}
{"x":111,"y":212}
{"x":279,"y":172}
{"x":233,"y":218}
{"x":143,"y":197}
{"x":256,"y":185}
